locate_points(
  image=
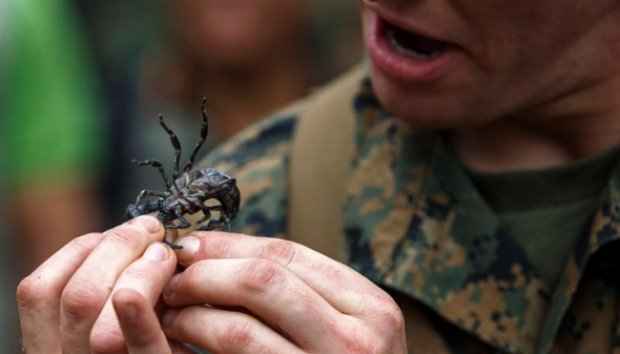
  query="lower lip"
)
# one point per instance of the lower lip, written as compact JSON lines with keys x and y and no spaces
{"x":403,"y":68}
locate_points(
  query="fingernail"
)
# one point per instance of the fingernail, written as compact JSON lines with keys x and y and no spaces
{"x":149,"y":223}
{"x":190,"y":245}
{"x":156,"y":252}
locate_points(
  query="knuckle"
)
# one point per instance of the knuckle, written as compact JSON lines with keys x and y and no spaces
{"x":44,"y":284}
{"x":386,"y":323}
{"x":137,"y":272}
{"x":259,"y":275}
{"x":390,"y":316}
{"x":280,"y":251}
{"x":380,"y":329}
{"x":85,"y":241}
{"x":236,"y":334}
{"x":79,"y":302}
{"x":141,"y":270}
{"x":217,"y":246}
{"x":128,"y":235}
{"x":30,"y":292}
{"x":355,"y":342}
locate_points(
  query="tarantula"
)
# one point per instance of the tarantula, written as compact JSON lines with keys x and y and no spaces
{"x":189,"y":190}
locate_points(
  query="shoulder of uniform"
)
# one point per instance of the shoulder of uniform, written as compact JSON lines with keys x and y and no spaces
{"x":264,"y":139}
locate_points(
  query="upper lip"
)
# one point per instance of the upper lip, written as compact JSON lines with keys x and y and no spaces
{"x":405,"y":22}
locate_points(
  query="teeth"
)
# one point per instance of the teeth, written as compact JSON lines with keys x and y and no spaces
{"x":410,"y":52}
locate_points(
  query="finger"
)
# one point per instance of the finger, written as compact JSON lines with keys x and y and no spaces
{"x":91,"y":285}
{"x":38,"y":295}
{"x":266,"y":289}
{"x":140,"y":325}
{"x":222,"y":331}
{"x":344,"y":288}
{"x":146,"y":276}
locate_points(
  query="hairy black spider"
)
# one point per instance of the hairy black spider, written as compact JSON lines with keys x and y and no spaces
{"x":189,"y":190}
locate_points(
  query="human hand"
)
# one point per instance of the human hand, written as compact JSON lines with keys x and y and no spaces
{"x":72,"y":289}
{"x":275,"y":296}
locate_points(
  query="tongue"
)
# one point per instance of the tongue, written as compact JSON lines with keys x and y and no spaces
{"x":419,"y":44}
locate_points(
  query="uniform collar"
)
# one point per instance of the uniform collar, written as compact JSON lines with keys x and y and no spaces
{"x":415,"y":223}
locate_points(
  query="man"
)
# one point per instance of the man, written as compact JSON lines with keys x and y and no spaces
{"x":445,"y":208}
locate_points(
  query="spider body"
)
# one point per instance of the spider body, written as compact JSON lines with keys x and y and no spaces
{"x":189,"y":191}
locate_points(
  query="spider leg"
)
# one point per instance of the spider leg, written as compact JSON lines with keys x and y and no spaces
{"x":135,"y":210}
{"x":183,"y":223}
{"x":158,"y":165}
{"x":172,"y":245}
{"x":147,"y":192}
{"x":204,"y":130}
{"x":207,"y":215}
{"x":140,"y":208}
{"x":175,"y":143}
{"x":216,"y":224}
{"x":151,"y":207}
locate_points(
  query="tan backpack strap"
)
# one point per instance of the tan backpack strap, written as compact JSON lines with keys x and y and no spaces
{"x":321,"y":151}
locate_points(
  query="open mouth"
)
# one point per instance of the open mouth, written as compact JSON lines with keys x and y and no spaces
{"x":413,"y":45}
{"x":407,"y":55}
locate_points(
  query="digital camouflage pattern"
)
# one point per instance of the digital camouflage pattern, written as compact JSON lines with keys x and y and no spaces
{"x":258,"y":159}
{"x":416,"y":225}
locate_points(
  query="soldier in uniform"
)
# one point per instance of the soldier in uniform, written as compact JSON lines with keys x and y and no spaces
{"x":476,"y":210}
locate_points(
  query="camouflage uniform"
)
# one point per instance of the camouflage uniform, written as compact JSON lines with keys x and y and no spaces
{"x":415,"y":225}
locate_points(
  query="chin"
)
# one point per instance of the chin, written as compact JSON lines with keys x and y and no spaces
{"x":423,"y":109}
